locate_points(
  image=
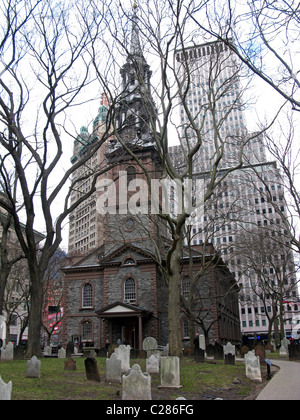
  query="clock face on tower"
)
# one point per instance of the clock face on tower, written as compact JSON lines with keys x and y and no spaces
{"x":128,"y":134}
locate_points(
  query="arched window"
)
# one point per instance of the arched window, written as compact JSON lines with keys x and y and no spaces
{"x":131,"y":174}
{"x":129,"y":261}
{"x":87,"y":331}
{"x":87,"y":296}
{"x":185,"y":287}
{"x":129,"y":291}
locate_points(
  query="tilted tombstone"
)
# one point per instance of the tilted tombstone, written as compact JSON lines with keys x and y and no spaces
{"x":5,"y":390}
{"x":252,"y":365}
{"x":91,"y":369}
{"x":7,"y":352}
{"x":113,"y":369}
{"x":136,"y":385}
{"x":123,"y":353}
{"x":152,"y":364}
{"x":33,"y":368}
{"x":170,"y":372}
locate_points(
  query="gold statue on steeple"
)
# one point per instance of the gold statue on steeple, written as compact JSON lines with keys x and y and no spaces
{"x":135,"y":6}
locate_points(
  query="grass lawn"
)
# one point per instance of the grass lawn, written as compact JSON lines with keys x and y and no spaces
{"x":199,"y":381}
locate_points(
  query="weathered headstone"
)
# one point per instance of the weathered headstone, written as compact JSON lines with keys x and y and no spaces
{"x":70,"y":364}
{"x":202,"y":344}
{"x":244,"y":350}
{"x":113,"y":369}
{"x":91,"y":369}
{"x":33,"y":368}
{"x":62,"y":353}
{"x":7,"y":352}
{"x":5,"y":390}
{"x":218,"y":352}
{"x":252,"y":365}
{"x":229,"y":354}
{"x":282,"y":351}
{"x":260,"y":351}
{"x":123,"y":353}
{"x":152,"y":364}
{"x":70,"y":349}
{"x":165,"y":351}
{"x":47,"y":351}
{"x":150,"y":346}
{"x":136,"y":385}
{"x":294,"y":351}
{"x":199,"y":355}
{"x":170,"y":372}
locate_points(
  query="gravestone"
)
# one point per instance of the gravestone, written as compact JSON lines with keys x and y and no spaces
{"x":229,"y":354}
{"x":5,"y":390}
{"x":199,"y":355}
{"x":218,"y":352}
{"x":70,"y":349}
{"x":170,"y":372}
{"x":2,"y":328}
{"x":91,"y":369}
{"x":260,"y":351}
{"x":113,"y":369}
{"x":47,"y":351}
{"x":70,"y":364}
{"x":165,"y":351}
{"x":229,"y":359}
{"x":282,"y":351}
{"x":150,"y":346}
{"x":136,"y":385}
{"x":294,"y":351}
{"x":252,"y":365}
{"x":123,"y":353}
{"x":33,"y":368}
{"x":62,"y":353}
{"x":202,"y":344}
{"x":244,"y":350}
{"x":102,"y":352}
{"x":152,"y":364}
{"x":7,"y":352}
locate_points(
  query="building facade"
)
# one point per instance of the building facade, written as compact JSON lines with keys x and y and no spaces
{"x":116,"y":290}
{"x":245,"y":207}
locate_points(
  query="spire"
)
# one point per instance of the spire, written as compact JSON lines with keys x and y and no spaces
{"x":135,"y":46}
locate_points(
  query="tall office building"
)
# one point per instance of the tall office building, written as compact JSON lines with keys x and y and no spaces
{"x":241,"y":218}
{"x":86,"y":227}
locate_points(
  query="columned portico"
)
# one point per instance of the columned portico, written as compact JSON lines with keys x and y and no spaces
{"x":125,"y":322}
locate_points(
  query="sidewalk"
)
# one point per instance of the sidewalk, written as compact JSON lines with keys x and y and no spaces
{"x":285,"y":385}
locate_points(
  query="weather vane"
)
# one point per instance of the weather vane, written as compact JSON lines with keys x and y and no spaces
{"x":135,"y":6}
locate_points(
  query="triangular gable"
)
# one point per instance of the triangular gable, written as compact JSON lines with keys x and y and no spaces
{"x":117,"y":255}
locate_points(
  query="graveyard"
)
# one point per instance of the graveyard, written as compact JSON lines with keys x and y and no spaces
{"x":205,"y":373}
{"x":199,"y":381}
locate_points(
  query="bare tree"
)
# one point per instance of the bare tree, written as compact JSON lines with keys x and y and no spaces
{"x":162,"y":31}
{"x":51,"y":50}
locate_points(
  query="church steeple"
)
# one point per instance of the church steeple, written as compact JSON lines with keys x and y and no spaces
{"x":135,"y":46}
{"x":134,"y":121}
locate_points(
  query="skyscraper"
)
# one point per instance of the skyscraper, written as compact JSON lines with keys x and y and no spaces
{"x":242,"y":211}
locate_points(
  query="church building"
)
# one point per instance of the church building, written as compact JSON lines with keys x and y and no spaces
{"x":116,"y":291}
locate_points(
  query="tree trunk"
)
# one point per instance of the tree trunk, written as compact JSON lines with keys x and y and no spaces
{"x":175,"y":340}
{"x":35,"y":316}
